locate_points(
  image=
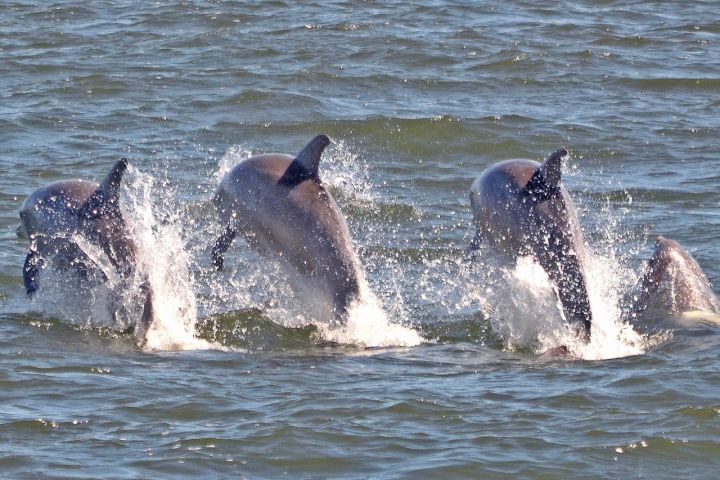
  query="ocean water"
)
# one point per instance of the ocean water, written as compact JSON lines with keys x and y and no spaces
{"x":440,"y":372}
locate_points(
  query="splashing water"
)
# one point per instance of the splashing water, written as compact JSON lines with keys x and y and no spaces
{"x":345,"y":172}
{"x":234,"y":155}
{"x":611,"y":336}
{"x":368,"y":325}
{"x":368,"y":322}
{"x":163,"y":259}
{"x":528,"y":313}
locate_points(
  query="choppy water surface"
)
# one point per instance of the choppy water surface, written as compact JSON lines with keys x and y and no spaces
{"x":439,"y":375}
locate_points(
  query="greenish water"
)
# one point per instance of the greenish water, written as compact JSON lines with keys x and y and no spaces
{"x":419,"y":99}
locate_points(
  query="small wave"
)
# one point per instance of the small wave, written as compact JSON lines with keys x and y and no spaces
{"x":645,"y":84}
{"x":631,"y":41}
{"x":654,"y":195}
{"x":251,"y":330}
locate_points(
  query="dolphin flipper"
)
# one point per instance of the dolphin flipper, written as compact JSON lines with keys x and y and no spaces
{"x":33,"y":264}
{"x":221,"y":246}
{"x":104,"y":201}
{"x":305,"y":166}
{"x":148,"y":312}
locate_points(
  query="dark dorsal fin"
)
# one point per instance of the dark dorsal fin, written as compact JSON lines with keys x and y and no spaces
{"x":305,"y":165}
{"x":104,"y":200}
{"x":545,"y":182}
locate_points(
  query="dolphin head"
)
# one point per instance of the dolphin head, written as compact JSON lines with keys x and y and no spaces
{"x":673,"y":281}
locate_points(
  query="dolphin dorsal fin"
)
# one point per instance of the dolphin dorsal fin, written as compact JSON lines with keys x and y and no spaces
{"x":305,"y":165}
{"x":104,"y":200}
{"x":545,"y":182}
{"x":552,"y":168}
{"x":309,"y":156}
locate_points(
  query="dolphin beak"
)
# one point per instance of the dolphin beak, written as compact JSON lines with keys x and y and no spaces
{"x":21,"y":232}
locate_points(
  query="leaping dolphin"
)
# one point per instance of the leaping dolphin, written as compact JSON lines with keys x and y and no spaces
{"x":521,"y":208}
{"x":278,"y":203}
{"x":59,"y":216}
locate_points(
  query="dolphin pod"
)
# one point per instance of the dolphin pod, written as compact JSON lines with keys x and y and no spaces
{"x":278,"y":203}
{"x":520,"y":208}
{"x":56,"y":218}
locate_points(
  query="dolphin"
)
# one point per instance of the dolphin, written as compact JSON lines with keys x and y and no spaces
{"x":674,"y":283}
{"x":280,"y":206}
{"x":59,"y":218}
{"x":520,"y":208}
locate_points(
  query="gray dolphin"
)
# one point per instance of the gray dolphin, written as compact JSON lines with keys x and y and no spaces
{"x":56,"y":217}
{"x":278,"y":203}
{"x":674,"y":283}
{"x":521,"y":208}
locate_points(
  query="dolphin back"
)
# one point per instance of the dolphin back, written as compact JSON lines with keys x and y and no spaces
{"x":56,"y":212}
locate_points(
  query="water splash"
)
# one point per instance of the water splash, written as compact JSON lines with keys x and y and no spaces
{"x":526,"y":312}
{"x":368,"y":325}
{"x":344,"y":171}
{"x":611,"y":336}
{"x":234,"y":155}
{"x":288,"y":300}
{"x":164,"y":262}
{"x":369,"y":321}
